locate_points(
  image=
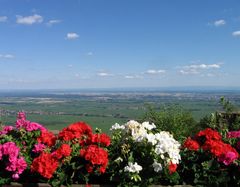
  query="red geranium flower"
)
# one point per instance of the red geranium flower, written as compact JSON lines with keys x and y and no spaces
{"x":209,"y":134}
{"x":103,"y":139}
{"x":45,"y":165}
{"x":172,"y":168}
{"x":63,"y":151}
{"x":191,"y":144}
{"x":47,"y":138}
{"x":76,"y":130}
{"x":96,"y":156}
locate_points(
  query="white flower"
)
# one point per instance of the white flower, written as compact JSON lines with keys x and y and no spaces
{"x":132,"y":125}
{"x":133,"y":168}
{"x":166,"y":144}
{"x":148,"y":126}
{"x":139,"y":134}
{"x":137,"y":131}
{"x":151,"y":138}
{"x":157,"y":166}
{"x":116,"y":126}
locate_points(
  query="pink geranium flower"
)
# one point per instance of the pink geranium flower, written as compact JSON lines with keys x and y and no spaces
{"x":38,"y":148}
{"x":228,"y":158}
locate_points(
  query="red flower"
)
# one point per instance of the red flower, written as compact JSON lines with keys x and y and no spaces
{"x":96,"y":156}
{"x":63,"y":151}
{"x":103,"y":139}
{"x":209,"y":134}
{"x":47,"y":138}
{"x":215,"y":147}
{"x":221,"y":150}
{"x":191,"y":144}
{"x":76,"y":130}
{"x":172,"y":168}
{"x":45,"y":165}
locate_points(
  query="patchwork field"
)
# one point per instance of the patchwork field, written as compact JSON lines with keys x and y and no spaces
{"x":57,"y":109}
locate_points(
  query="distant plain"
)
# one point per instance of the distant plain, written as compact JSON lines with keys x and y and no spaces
{"x":56,"y":109}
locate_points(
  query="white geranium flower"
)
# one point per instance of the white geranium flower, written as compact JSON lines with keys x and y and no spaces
{"x":166,"y":144}
{"x":137,"y":131}
{"x":139,"y":134}
{"x":157,"y":166}
{"x":151,"y":138}
{"x":133,"y":168}
{"x":148,"y":126}
{"x":116,"y":126}
{"x":132,"y":125}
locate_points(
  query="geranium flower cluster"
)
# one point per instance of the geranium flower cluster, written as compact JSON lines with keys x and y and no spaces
{"x":18,"y":144}
{"x":29,"y":126}
{"x":211,"y":141}
{"x":47,"y":163}
{"x":138,"y":150}
{"x":75,"y":154}
{"x":91,"y":146}
{"x":14,"y":163}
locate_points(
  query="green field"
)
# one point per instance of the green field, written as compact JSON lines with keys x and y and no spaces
{"x":104,"y":109}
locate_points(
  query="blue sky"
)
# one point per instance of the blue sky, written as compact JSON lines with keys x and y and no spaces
{"x":119,"y":43}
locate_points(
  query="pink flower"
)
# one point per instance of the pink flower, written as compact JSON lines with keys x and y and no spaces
{"x":11,"y":166}
{"x":21,"y":165}
{"x":10,"y":149}
{"x":32,"y":126}
{"x":233,"y":134}
{"x":21,"y":123}
{"x":1,"y":151}
{"x":21,"y":115}
{"x":29,"y":126}
{"x":228,"y":158}
{"x":6,"y":130}
{"x":38,"y":148}
{"x":18,"y":166}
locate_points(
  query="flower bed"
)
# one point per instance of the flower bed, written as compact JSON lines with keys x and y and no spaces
{"x":137,"y":154}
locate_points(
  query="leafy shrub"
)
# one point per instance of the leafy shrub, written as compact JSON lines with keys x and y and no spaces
{"x":174,"y":119}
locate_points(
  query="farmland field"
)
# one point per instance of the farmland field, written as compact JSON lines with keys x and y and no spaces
{"x":57,"y":109}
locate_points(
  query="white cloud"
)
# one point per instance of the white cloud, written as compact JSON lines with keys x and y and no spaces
{"x":220,"y":22}
{"x":3,"y":18}
{"x":53,"y":22}
{"x":129,"y":77}
{"x":155,"y":72}
{"x":104,"y":74}
{"x":70,"y":65}
{"x":29,"y":20}
{"x":236,"y":33}
{"x":198,"y":68}
{"x":202,"y":66}
{"x":6,"y":56}
{"x":189,"y":71}
{"x":133,"y":77}
{"x":72,"y":36}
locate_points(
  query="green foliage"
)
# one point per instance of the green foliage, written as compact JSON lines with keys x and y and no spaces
{"x":228,"y":119}
{"x":174,"y":119}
